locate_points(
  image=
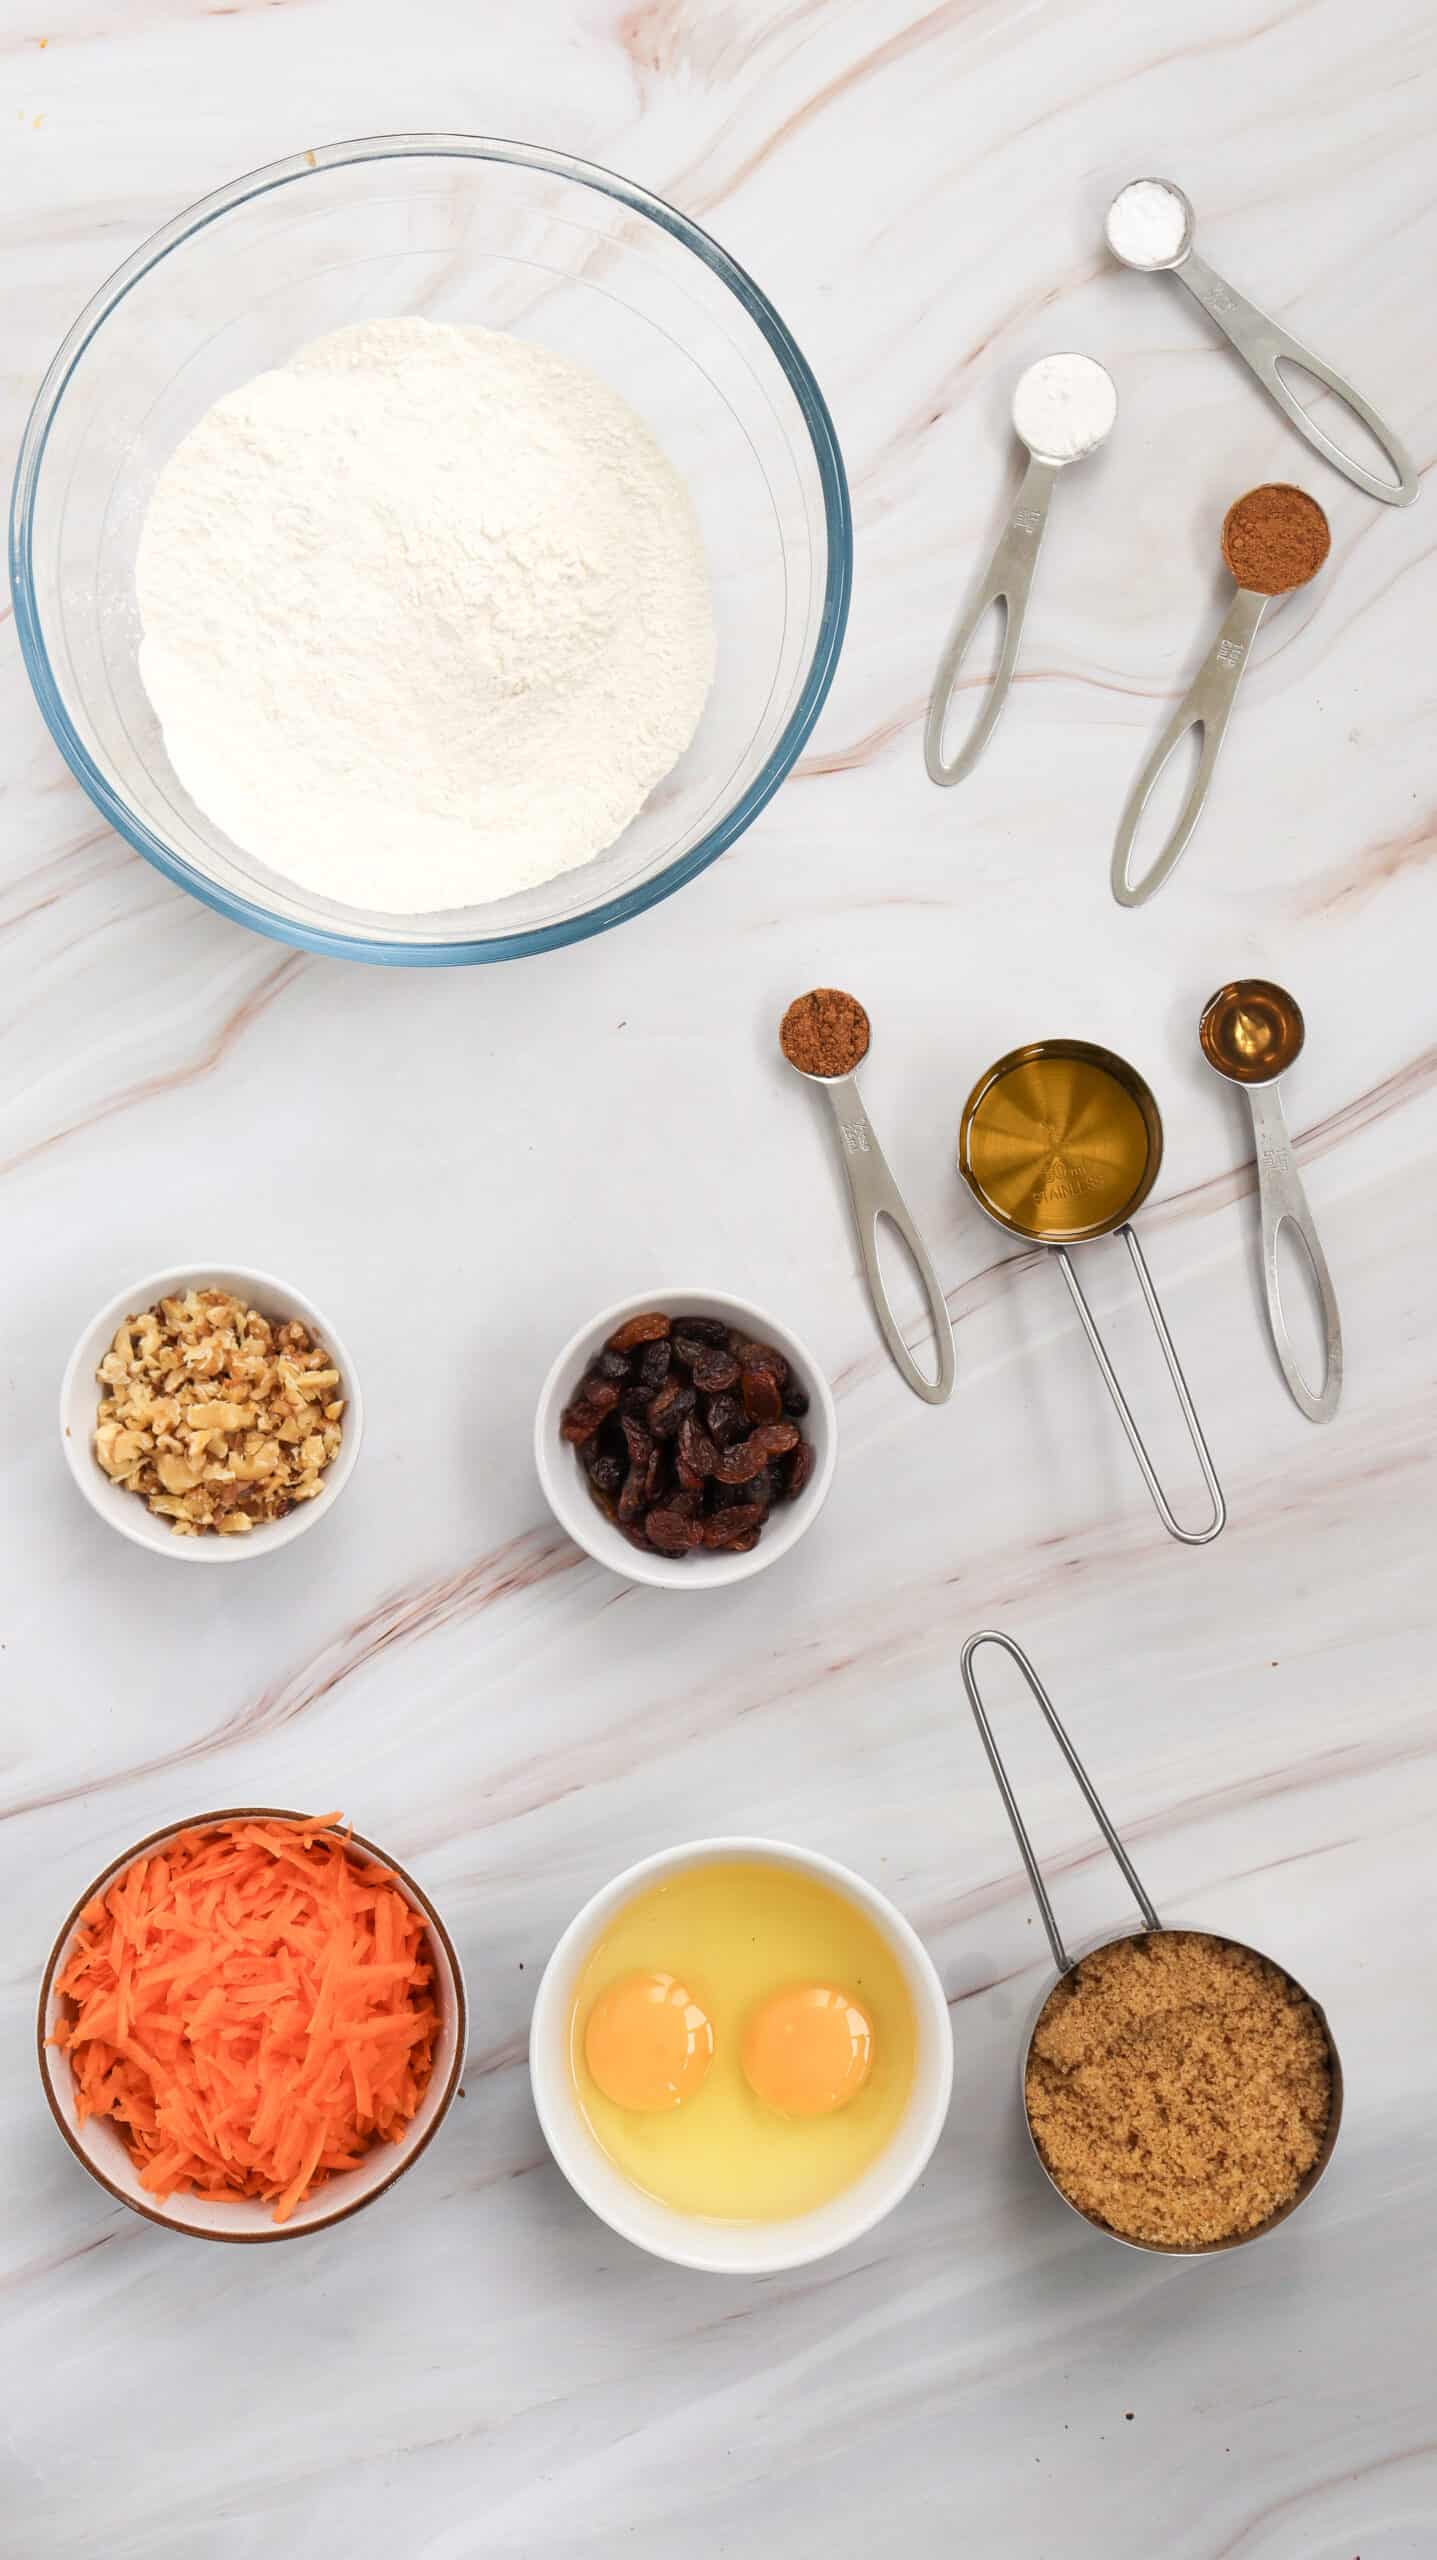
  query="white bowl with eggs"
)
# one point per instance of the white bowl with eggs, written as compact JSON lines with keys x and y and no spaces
{"x":566,"y":1487}
{"x":128,"y":1511}
{"x":725,"y":2244}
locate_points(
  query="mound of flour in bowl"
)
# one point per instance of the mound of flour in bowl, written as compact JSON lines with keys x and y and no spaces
{"x":426,"y":615}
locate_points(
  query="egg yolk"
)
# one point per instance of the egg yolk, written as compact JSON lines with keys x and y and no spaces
{"x":647,"y":2043}
{"x":808,"y":2050}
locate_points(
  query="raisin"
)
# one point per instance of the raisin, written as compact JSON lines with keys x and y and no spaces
{"x":667,"y":1409}
{"x":672,"y":1533}
{"x":795,"y":1400}
{"x":697,"y":1451}
{"x":725,"y":1420}
{"x":798,"y":1467}
{"x":704,"y":1329}
{"x":636,"y":1534}
{"x":741,"y":1520}
{"x":605,"y":1500}
{"x":655,"y":1473}
{"x":638,"y":1438}
{"x":712,"y":1368}
{"x":762,"y":1400}
{"x":740,"y":1464}
{"x":606,"y":1472}
{"x":758,"y":1355}
{"x":654,"y":1364}
{"x":639,"y":1329}
{"x":596,"y":1397}
{"x":633,"y":1500}
{"x":612,"y":1364}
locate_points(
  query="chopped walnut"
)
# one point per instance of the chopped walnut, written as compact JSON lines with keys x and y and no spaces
{"x":218,"y":1418}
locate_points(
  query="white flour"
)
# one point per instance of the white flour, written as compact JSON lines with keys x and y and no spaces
{"x":426,"y":615}
{"x":1063,"y":406}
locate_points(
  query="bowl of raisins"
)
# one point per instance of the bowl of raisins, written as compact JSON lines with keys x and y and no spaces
{"x":685,"y":1439}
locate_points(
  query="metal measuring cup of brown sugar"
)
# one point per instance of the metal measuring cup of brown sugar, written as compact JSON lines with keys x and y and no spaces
{"x":1066,"y":1959}
{"x":830,"y":1061}
{"x":1251,"y":1032}
{"x":1274,"y":539}
{"x":1061,"y":1143}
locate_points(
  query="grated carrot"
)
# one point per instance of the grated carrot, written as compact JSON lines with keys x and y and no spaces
{"x":253,"y":2006}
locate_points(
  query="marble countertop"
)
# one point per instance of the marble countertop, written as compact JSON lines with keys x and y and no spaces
{"x":478,"y":2367}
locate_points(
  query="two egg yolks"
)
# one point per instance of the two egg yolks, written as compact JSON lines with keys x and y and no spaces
{"x":648,"y":2044}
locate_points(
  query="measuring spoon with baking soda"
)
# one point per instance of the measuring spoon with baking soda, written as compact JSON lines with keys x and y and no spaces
{"x":1150,"y":226}
{"x":1251,"y":1032}
{"x":825,"y":1036}
{"x":1274,"y":540}
{"x":1063,"y":409}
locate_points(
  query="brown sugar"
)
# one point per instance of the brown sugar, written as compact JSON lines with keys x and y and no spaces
{"x":1178,"y":2088}
{"x":824,"y":1033}
{"x":1275,"y":538}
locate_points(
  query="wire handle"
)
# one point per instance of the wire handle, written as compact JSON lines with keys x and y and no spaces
{"x":1207,"y":705}
{"x":875,"y":1195}
{"x":1265,"y":347}
{"x":1007,"y":581}
{"x":1015,"y":1653}
{"x":1284,"y":1204}
{"x":1169,"y":1519}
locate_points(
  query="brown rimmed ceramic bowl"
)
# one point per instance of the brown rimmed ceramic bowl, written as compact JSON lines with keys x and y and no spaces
{"x":99,"y":2145}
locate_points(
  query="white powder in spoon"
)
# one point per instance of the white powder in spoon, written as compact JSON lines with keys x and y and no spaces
{"x":426,"y":615}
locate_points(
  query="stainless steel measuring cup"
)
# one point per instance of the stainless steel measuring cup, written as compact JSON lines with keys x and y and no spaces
{"x":1150,"y":226}
{"x":875,"y":1195}
{"x":1206,"y":706}
{"x":1251,"y":1032}
{"x":1065,"y":1959}
{"x":1059,"y":1160}
{"x":1063,"y":409}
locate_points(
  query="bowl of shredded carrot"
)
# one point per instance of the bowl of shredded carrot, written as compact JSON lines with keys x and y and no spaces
{"x":251,"y":2024}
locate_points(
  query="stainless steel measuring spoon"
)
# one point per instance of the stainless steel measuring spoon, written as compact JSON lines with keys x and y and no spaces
{"x":1207,"y":704}
{"x":1063,"y":408}
{"x":875,"y":1195}
{"x":1066,"y":1959}
{"x":1150,"y":227}
{"x":1252,"y":1031}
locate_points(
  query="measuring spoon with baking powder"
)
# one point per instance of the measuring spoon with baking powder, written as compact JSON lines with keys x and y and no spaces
{"x":1207,"y":704}
{"x":1150,"y":227}
{"x":875,"y":1195}
{"x":1063,"y":409}
{"x":1251,"y":1032}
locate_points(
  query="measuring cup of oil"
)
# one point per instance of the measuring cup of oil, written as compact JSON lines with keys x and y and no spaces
{"x":1262,"y":570}
{"x":1150,"y":226}
{"x":1060,"y":1143}
{"x":1068,"y":1960}
{"x":1251,"y":1032}
{"x":1063,"y":409}
{"x":825,"y":1036}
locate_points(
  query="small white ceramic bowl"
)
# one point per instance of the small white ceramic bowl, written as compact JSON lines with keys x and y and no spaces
{"x":100,"y":2147}
{"x":689,"y":2240}
{"x":566,"y":1487}
{"x":129,"y":1512}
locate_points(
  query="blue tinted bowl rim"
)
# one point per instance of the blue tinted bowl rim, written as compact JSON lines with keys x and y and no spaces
{"x":838,"y":524}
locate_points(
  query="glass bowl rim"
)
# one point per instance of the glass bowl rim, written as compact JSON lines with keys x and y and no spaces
{"x":838,"y":526}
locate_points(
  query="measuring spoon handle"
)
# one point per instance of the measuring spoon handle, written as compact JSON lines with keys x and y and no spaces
{"x":1284,"y":1204}
{"x":1007,"y":581}
{"x":1207,"y":705}
{"x":876,"y":1195}
{"x":1262,"y":344}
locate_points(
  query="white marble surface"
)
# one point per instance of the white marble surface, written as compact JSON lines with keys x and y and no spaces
{"x":477,"y":2367}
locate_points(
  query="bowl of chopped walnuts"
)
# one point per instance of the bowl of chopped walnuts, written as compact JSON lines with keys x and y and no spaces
{"x":210,"y":1413}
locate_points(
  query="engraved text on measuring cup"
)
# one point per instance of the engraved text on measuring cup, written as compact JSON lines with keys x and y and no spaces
{"x":1027,"y":519}
{"x":855,"y":1137}
{"x":1068,"y":1182}
{"x":1231,"y":653}
{"x":1271,"y":1153}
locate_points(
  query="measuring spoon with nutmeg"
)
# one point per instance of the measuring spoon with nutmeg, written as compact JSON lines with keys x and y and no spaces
{"x":1274,"y":540}
{"x":825,"y":1036}
{"x":1150,"y":226}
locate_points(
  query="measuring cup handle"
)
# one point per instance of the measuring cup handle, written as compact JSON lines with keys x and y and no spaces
{"x":1007,"y":581}
{"x":1015,"y":1653}
{"x":1262,"y":344}
{"x":1284,"y":1204}
{"x":876,"y":1195}
{"x":1169,"y":1519}
{"x":1207,"y":705}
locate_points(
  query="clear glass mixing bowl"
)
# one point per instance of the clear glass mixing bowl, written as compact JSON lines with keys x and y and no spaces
{"x":463,"y":229}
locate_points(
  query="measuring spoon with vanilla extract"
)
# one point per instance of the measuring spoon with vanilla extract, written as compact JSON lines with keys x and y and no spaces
{"x":825,"y":1037}
{"x":1252,"y":1031}
{"x":1274,"y":539}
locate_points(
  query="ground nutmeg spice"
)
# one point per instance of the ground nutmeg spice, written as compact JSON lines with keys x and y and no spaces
{"x":1275,"y":538}
{"x":824,"y":1033}
{"x":1178,"y":2088}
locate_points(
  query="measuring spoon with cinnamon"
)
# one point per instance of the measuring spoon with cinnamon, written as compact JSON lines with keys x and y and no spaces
{"x":825,"y":1036}
{"x":1274,"y":540}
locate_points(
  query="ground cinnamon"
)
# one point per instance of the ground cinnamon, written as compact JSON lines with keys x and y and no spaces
{"x":1275,"y":538}
{"x":824,"y":1033}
